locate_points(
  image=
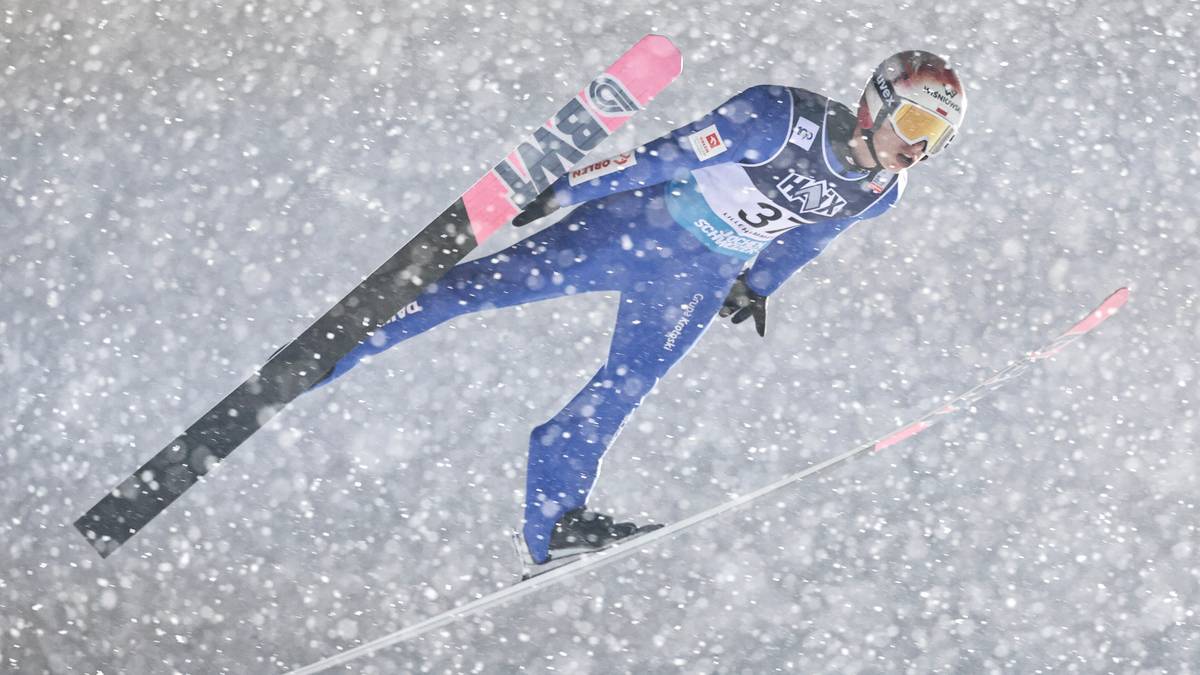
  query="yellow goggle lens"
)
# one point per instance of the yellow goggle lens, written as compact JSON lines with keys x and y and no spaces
{"x":914,"y":124}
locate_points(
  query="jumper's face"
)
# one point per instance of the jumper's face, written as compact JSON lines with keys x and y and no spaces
{"x":895,"y":153}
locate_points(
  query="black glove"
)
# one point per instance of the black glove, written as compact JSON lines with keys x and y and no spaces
{"x":541,"y":206}
{"x":743,"y":303}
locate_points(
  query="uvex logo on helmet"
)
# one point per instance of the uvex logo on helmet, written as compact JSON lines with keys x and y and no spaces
{"x":885,"y":89}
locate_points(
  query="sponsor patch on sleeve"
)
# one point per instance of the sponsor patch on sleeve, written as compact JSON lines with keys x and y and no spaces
{"x":707,"y":143}
{"x":804,"y":133}
{"x":602,"y":168}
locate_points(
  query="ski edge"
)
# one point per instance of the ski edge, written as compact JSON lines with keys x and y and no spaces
{"x":649,"y":66}
{"x":593,"y":561}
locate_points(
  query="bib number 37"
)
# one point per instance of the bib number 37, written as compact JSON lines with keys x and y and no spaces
{"x":766,"y":214}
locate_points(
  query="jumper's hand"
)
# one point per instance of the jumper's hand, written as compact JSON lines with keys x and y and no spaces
{"x":542,"y":206}
{"x":743,"y":303}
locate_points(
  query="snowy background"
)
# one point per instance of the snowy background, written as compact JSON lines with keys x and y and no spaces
{"x":184,"y":185}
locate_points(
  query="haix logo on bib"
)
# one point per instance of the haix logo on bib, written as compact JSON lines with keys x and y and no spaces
{"x":804,"y":133}
{"x":602,"y":168}
{"x":814,"y":196}
{"x":707,"y":143}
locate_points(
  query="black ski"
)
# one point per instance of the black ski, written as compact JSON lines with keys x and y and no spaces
{"x":591,"y":116}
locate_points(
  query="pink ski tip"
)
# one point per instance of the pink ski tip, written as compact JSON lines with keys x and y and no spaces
{"x":1106,"y":309}
{"x":1097,"y":316}
{"x":648,"y":66}
{"x":669,"y":58}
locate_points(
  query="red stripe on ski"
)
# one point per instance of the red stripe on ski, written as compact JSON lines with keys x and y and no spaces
{"x":900,"y":435}
{"x":592,"y":562}
{"x":1107,"y":308}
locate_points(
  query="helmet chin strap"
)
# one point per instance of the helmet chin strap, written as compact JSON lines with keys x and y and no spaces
{"x":867,"y":125}
{"x":869,"y":137}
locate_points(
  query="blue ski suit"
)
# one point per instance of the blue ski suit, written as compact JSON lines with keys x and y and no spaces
{"x":669,"y":226}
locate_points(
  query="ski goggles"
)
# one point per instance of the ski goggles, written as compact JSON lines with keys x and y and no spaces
{"x":914,"y":124}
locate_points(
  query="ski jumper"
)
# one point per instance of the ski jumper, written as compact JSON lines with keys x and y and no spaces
{"x":668,"y":226}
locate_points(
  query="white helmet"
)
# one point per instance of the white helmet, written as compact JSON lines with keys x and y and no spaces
{"x":920,"y":94}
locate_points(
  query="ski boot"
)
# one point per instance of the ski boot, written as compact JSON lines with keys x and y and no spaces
{"x":578,"y":532}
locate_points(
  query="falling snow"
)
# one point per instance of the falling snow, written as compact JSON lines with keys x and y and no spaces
{"x":184,"y":186}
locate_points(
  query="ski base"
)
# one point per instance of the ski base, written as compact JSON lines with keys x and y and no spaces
{"x":628,"y":547}
{"x":531,"y":569}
